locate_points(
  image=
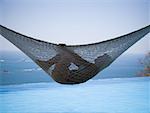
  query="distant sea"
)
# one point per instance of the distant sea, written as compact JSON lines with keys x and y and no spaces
{"x":25,"y":88}
{"x":17,"y":68}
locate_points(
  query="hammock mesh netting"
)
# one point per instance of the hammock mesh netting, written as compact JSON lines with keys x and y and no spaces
{"x":73,"y":64}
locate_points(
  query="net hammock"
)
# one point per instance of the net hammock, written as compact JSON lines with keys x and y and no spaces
{"x":73,"y":64}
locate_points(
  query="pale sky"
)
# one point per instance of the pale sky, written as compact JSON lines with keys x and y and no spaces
{"x":75,"y":21}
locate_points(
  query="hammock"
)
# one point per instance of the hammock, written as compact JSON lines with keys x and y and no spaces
{"x":73,"y":64}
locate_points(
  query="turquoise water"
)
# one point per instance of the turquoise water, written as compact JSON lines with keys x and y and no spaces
{"x":25,"y":88}
{"x":95,"y":96}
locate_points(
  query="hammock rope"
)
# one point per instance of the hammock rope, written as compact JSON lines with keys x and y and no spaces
{"x":73,"y":64}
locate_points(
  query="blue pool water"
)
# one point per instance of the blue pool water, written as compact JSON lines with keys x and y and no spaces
{"x":95,"y":96}
{"x":25,"y":88}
